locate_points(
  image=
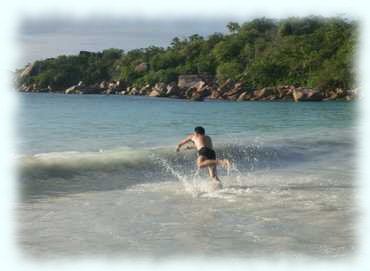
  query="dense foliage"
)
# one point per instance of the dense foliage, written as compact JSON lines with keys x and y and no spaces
{"x":311,"y":51}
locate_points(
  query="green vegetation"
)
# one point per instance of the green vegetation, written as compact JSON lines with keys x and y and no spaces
{"x":312,"y":51}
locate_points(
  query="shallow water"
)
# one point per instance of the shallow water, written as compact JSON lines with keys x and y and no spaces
{"x":99,"y":176}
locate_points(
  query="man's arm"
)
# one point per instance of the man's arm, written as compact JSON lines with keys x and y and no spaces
{"x":190,"y":147}
{"x":183,"y":142}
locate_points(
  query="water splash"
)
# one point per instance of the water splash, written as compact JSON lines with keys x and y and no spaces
{"x":197,"y":186}
{"x":169,"y":169}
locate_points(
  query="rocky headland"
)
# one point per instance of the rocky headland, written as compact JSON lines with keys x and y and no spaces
{"x":198,"y":88}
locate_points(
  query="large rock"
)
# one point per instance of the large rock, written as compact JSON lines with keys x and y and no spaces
{"x":80,"y":89}
{"x":127,"y":91}
{"x":142,"y":67}
{"x":103,"y":85}
{"x":108,"y":91}
{"x":145,"y":90}
{"x":199,"y":86}
{"x":120,"y":85}
{"x":205,"y":91}
{"x":161,"y":87}
{"x":24,"y":88}
{"x":234,"y":93}
{"x":215,"y":94}
{"x":337,"y":94}
{"x":196,"y":97}
{"x":189,"y":92}
{"x":155,"y":93}
{"x":188,"y":81}
{"x":113,"y":87}
{"x":297,"y":95}
{"x":314,"y":96}
{"x":307,"y":95}
{"x":34,"y":87}
{"x":340,"y":93}
{"x":172,"y":90}
{"x":284,"y":92}
{"x":198,"y":89}
{"x":263,"y":94}
{"x":331,"y":95}
{"x":159,"y":90}
{"x":73,"y":90}
{"x":134,"y":91}
{"x":244,"y":96}
{"x":226,"y":86}
{"x":27,"y":71}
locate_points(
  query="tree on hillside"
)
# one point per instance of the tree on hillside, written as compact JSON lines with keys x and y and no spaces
{"x":233,"y":27}
{"x":311,"y":51}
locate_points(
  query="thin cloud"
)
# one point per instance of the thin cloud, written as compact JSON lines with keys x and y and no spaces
{"x":40,"y":39}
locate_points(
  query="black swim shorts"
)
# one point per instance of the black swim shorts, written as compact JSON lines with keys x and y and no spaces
{"x":207,"y":152}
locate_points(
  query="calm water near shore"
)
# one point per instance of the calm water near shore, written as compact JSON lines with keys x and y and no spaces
{"x":99,"y":176}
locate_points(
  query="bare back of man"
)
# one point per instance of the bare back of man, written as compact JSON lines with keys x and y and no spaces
{"x":206,"y":154}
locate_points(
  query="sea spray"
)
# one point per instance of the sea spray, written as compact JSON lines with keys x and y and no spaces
{"x":72,"y":171}
{"x":189,"y":182}
{"x":201,"y":187}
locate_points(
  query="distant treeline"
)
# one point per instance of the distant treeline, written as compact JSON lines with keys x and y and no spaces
{"x":314,"y":52}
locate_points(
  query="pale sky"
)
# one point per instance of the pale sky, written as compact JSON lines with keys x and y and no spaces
{"x":51,"y":37}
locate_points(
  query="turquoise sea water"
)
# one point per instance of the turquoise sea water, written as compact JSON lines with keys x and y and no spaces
{"x":51,"y":122}
{"x":107,"y":164}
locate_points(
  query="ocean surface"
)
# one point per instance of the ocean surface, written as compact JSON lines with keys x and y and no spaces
{"x":99,"y":176}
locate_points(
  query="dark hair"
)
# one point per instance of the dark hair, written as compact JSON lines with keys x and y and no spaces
{"x":199,"y":130}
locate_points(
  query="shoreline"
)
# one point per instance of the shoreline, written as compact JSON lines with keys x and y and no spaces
{"x":205,"y":100}
{"x":264,"y":59}
{"x":197,"y":88}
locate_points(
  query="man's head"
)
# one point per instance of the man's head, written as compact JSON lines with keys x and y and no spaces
{"x":199,"y":130}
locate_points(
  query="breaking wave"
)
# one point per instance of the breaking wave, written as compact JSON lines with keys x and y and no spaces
{"x":155,"y":161}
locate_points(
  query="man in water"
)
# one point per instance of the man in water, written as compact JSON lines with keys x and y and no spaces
{"x":206,"y":154}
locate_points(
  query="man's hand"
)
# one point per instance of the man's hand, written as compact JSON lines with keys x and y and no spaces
{"x":186,"y":140}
